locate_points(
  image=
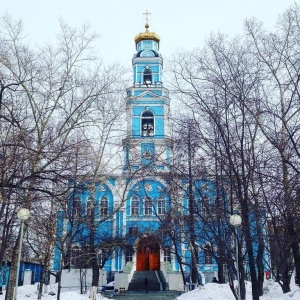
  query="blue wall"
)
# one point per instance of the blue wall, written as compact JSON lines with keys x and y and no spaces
{"x":36,"y":269}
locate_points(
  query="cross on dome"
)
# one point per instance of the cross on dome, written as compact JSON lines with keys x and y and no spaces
{"x":147,"y":35}
{"x":147,"y":14}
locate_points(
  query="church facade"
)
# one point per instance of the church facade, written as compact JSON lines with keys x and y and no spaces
{"x":140,"y":205}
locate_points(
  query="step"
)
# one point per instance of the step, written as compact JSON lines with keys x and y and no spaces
{"x":154,"y":295}
{"x":137,"y":281}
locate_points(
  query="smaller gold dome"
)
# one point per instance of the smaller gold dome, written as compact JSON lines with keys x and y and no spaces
{"x":147,"y":35}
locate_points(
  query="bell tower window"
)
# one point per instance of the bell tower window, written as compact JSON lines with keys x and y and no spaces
{"x":147,"y":76}
{"x":147,"y":123}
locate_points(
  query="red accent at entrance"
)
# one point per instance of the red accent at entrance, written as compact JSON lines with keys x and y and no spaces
{"x":148,"y":255}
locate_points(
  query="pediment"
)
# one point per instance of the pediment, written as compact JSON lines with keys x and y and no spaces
{"x":148,"y":94}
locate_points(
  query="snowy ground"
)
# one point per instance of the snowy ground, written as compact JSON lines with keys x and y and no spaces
{"x":210,"y":291}
{"x":215,"y":291}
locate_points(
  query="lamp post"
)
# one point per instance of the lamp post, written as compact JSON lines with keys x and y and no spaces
{"x":23,"y":215}
{"x":236,"y":221}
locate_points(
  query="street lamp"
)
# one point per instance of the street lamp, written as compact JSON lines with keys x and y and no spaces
{"x":23,"y":215}
{"x":236,"y":221}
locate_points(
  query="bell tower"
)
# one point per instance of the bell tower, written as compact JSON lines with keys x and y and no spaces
{"x":148,"y":142}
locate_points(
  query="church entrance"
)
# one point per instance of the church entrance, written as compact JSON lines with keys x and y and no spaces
{"x":148,"y":254}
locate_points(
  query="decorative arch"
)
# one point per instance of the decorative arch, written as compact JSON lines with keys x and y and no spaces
{"x":144,"y":186}
{"x":147,"y":53}
{"x":153,"y":190}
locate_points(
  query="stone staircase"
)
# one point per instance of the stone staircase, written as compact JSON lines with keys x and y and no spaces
{"x":138,"y":295}
{"x":154,"y":281}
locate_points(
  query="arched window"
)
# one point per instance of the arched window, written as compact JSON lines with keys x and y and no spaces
{"x":147,"y":76}
{"x":148,"y":206}
{"x":147,"y":123}
{"x":208,"y":257}
{"x":129,"y":252}
{"x":75,"y":256}
{"x":103,"y":206}
{"x":167,"y":254}
{"x":101,"y":257}
{"x":205,"y":206}
{"x":89,"y":203}
{"x":161,"y":206}
{"x":76,"y":207}
{"x":135,"y":206}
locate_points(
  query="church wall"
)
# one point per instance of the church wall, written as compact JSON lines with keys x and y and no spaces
{"x":58,"y":246}
{"x":159,"y":128}
{"x":122,"y":221}
{"x":136,"y":128}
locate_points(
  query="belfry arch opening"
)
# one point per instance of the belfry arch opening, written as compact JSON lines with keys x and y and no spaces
{"x":148,"y":254}
{"x":147,"y":123}
{"x":147,"y":76}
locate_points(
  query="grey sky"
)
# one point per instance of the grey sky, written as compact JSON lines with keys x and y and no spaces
{"x":181,"y":24}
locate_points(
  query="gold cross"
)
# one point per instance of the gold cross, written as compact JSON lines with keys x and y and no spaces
{"x":147,"y":14}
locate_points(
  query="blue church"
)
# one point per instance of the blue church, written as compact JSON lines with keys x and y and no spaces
{"x":140,"y":204}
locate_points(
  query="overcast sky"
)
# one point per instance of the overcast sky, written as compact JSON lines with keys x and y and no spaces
{"x":181,"y":24}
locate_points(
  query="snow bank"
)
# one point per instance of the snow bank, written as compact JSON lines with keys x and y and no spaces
{"x":215,"y":291}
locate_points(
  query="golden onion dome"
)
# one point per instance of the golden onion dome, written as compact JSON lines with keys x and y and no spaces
{"x":147,"y":35}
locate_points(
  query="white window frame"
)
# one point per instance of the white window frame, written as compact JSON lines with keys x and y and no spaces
{"x":148,"y":206}
{"x":161,"y":205}
{"x":134,"y":206}
{"x":103,"y":206}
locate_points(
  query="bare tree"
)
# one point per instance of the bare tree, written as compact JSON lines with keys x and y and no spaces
{"x":278,"y":120}
{"x":219,"y":84}
{"x":48,"y":100}
{"x":244,"y":94}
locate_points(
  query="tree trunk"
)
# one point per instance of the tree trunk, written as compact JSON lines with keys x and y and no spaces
{"x":178,"y":256}
{"x":260,"y":268}
{"x":193,"y":248}
{"x":260,"y":252}
{"x":41,"y":285}
{"x":285,"y":280}
{"x":13,"y":270}
{"x":221,"y":272}
{"x":249,"y":247}
{"x":93,"y":262}
{"x":296,"y":260}
{"x":295,"y":246}
{"x":59,"y":285}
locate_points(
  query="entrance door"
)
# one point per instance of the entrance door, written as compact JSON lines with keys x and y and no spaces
{"x":148,"y":255}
